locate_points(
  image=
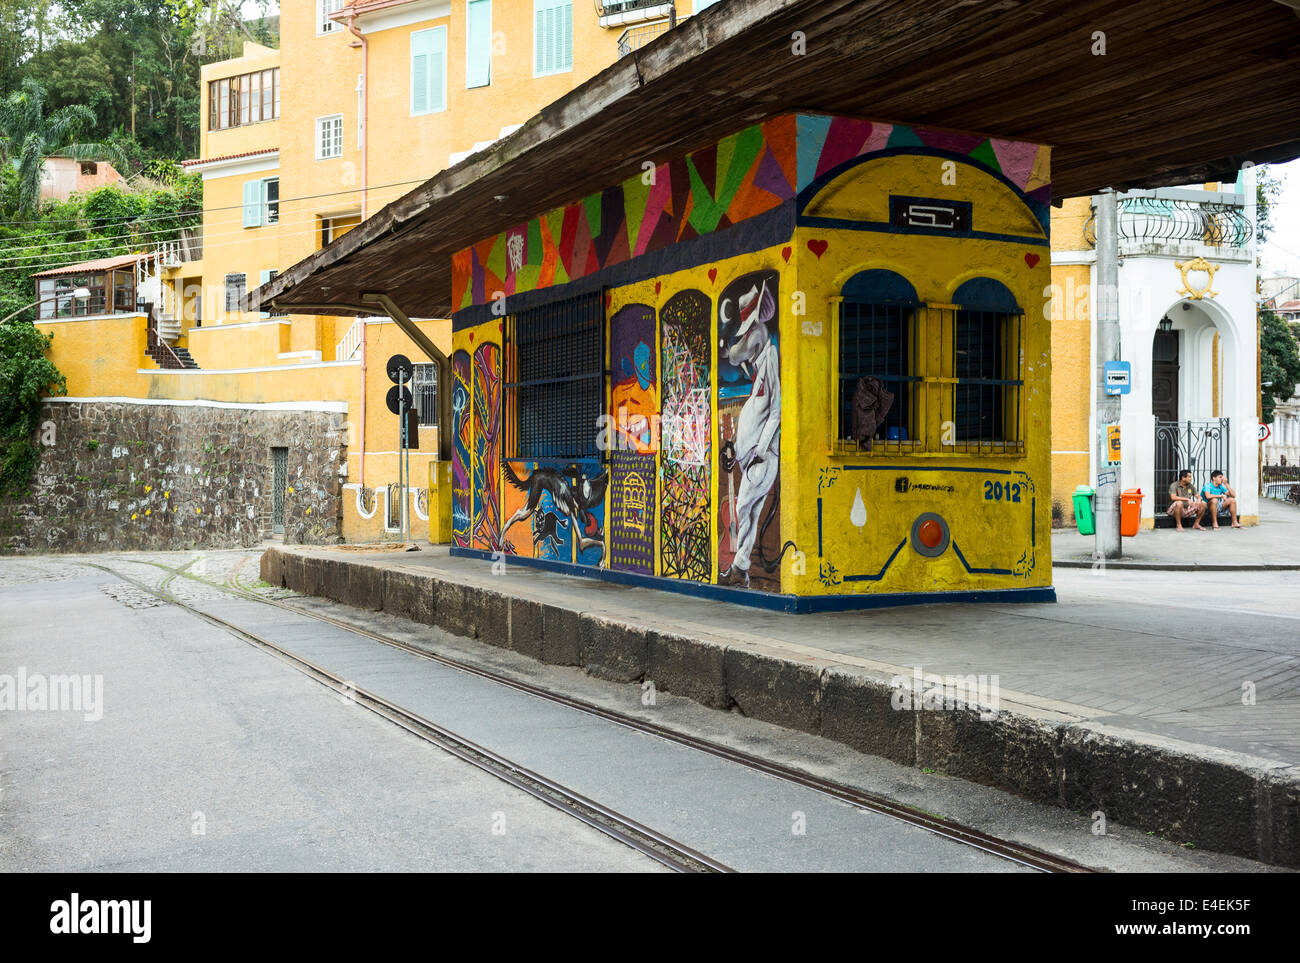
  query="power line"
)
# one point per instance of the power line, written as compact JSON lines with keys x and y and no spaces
{"x":231,"y":207}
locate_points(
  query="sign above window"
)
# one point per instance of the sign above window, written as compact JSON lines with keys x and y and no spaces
{"x":930,"y":215}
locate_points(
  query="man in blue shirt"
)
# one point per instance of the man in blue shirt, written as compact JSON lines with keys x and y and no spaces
{"x":1222,"y":500}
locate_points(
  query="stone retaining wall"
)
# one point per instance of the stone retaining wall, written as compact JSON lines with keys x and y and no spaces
{"x":117,"y":476}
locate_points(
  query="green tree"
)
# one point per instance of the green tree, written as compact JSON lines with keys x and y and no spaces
{"x":1279,"y":356}
{"x":1267,"y":188}
{"x":28,"y":135}
{"x":26,"y":376}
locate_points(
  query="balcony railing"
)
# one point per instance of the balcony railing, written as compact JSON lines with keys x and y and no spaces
{"x":1172,"y":217}
{"x":640,"y":35}
{"x":611,"y":8}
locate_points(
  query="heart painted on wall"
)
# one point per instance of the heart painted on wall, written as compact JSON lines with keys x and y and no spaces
{"x":1031,"y":259}
{"x":818,"y":247}
{"x":658,"y":285}
{"x":785,"y":253}
{"x":713,"y":275}
{"x":471,"y":336}
{"x":609,"y":300}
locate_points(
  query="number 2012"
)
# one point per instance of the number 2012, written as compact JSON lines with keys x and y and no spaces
{"x":1000,"y":492}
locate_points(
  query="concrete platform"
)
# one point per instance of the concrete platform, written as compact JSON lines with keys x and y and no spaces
{"x":1271,"y":546}
{"x":1129,"y":710}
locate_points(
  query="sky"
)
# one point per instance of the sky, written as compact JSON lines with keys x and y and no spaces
{"x":1281,"y":255}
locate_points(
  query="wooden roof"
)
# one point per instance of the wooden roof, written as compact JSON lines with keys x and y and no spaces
{"x":1187,"y":91}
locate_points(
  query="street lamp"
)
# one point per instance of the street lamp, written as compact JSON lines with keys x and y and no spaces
{"x":78,"y":294}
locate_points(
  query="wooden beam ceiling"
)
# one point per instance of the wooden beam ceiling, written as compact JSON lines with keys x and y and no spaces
{"x":1186,"y":91}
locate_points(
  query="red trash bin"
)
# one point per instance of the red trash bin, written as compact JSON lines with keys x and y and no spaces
{"x":1130,"y":512}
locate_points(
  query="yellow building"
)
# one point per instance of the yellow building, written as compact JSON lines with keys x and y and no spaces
{"x":360,"y":103}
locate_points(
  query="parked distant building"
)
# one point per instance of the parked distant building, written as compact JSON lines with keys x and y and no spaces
{"x":61,"y":177}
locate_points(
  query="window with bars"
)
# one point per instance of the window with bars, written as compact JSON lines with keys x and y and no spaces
{"x":552,"y":36}
{"x":329,"y":136}
{"x":245,"y":99}
{"x":878,"y":340}
{"x":424,"y":383}
{"x":236,"y":285}
{"x":985,"y":400}
{"x":555,"y":379}
{"x":953,"y":370}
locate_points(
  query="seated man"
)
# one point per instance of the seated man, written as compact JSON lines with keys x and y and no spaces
{"x":1221,"y":498}
{"x":1184,"y":503}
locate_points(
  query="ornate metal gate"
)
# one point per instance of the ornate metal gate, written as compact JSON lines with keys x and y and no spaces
{"x":1199,"y":446}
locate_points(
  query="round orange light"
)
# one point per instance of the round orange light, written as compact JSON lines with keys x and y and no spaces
{"x":929,"y":533}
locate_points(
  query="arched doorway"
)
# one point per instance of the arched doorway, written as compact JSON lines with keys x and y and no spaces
{"x":1188,"y":354}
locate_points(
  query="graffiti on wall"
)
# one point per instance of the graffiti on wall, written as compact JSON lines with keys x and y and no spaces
{"x":749,"y":433}
{"x":686,"y":427}
{"x":486,"y":450}
{"x":564,"y":508}
{"x":635,"y":414}
{"x":462,"y":429}
{"x":741,"y":176}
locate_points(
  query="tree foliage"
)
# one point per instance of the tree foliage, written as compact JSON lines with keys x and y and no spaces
{"x":1279,"y":357}
{"x":1268,"y":186}
{"x":26,"y":376}
{"x":134,"y":63}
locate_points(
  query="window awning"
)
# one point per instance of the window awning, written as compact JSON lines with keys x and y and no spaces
{"x":1185,"y":91}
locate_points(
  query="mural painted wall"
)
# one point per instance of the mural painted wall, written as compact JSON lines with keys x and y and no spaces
{"x":634,"y":438}
{"x":725,"y":461}
{"x":462,"y":444}
{"x":749,"y":432}
{"x":686,"y":545}
{"x":749,"y":173}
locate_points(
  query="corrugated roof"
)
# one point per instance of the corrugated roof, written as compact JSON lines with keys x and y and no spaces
{"x":1024,"y":71}
{"x":89,"y":267}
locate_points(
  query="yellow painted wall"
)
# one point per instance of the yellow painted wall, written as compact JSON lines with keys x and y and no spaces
{"x":991,"y":532}
{"x":237,"y":140}
{"x":1068,"y":222}
{"x":1071,"y":380}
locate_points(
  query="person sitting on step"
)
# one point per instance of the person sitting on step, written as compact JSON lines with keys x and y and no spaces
{"x":1184,"y":501}
{"x":1221,"y":498}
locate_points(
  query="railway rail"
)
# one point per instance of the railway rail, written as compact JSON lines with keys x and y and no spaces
{"x":658,"y":846}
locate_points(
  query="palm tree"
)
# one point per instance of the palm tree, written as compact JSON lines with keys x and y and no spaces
{"x":28,"y":136}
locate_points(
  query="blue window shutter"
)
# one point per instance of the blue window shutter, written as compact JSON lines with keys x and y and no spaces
{"x":478,"y":43}
{"x":428,"y":70}
{"x":265,"y":276}
{"x":420,"y":72}
{"x":252,"y":203}
{"x":552,"y":36}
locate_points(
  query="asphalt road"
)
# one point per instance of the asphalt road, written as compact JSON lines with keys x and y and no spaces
{"x":205,"y":753}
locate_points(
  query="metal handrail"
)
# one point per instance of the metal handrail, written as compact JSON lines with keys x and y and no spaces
{"x":1152,"y":219}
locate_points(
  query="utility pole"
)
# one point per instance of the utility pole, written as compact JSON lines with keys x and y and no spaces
{"x":1108,"y":349}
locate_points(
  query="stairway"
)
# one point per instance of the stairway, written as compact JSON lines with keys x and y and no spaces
{"x":175,"y":358}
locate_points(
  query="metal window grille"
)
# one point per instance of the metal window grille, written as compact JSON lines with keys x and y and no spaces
{"x":555,"y":363}
{"x":986,"y":363}
{"x":425,"y":383}
{"x":880,"y":340}
{"x":279,"y":481}
{"x":236,"y":285}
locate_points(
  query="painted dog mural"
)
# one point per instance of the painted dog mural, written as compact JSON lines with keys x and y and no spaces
{"x":573,"y":496}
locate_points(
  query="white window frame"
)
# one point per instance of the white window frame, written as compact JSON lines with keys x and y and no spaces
{"x":538,"y":7}
{"x":257,"y":211}
{"x":324,"y":8}
{"x":440,"y":31}
{"x":336,"y":123}
{"x":469,"y":84}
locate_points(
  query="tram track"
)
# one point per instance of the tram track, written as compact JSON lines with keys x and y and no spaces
{"x":658,"y":846}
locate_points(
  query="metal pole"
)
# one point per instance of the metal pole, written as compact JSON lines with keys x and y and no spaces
{"x":1108,"y":349}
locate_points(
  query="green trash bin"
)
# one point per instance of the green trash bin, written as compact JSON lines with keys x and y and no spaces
{"x":1083,"y":509}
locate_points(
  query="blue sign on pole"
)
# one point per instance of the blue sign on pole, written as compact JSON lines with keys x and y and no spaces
{"x":1119,"y":377}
